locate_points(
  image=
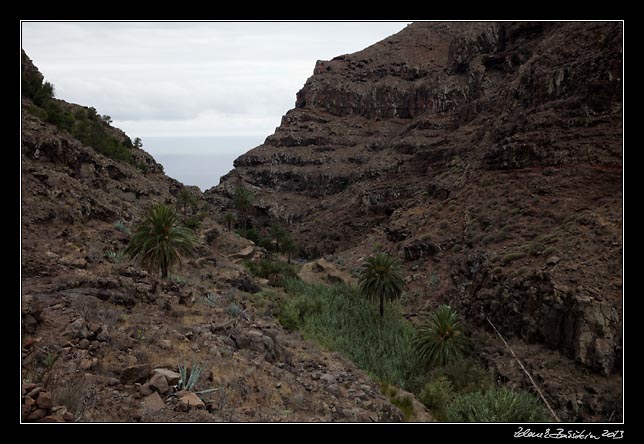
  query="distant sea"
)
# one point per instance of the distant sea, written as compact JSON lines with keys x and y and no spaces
{"x":199,"y":161}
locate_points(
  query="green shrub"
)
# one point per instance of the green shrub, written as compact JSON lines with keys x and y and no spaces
{"x":234,"y":310}
{"x":340,"y":319}
{"x":404,"y":403}
{"x":465,"y":375}
{"x":293,"y":314}
{"x":275,"y":271}
{"x":250,"y":234}
{"x":85,"y":124}
{"x":497,"y":405}
{"x":119,"y":225}
{"x":511,"y":257}
{"x":436,"y":395}
{"x":193,"y":222}
{"x":440,"y":339}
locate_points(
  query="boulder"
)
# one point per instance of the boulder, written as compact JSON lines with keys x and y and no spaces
{"x":159,"y":383}
{"x":189,"y":400}
{"x":244,"y":254}
{"x":171,"y":377}
{"x":153,"y":403}
{"x":77,"y":329}
{"x":44,"y":401}
{"x":135,"y":373}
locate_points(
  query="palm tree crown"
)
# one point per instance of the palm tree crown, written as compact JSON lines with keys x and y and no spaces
{"x":380,"y":279}
{"x":160,"y":240}
{"x":243,"y":201}
{"x":441,"y":339}
{"x":229,"y":219}
{"x":185,"y":198}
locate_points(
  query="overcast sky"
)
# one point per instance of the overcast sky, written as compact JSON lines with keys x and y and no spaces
{"x":191,"y":79}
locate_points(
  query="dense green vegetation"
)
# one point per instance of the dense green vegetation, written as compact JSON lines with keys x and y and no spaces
{"x":84,"y":124}
{"x":276,"y":272}
{"x":340,"y":319}
{"x":497,"y":405}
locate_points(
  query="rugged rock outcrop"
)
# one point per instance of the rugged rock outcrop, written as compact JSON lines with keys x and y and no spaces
{"x":488,"y":156}
{"x":102,"y":338}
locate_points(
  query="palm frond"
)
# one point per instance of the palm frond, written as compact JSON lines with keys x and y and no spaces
{"x":160,"y":241}
{"x":440,"y":339}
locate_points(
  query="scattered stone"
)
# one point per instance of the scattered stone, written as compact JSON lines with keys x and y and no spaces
{"x":27,"y":387}
{"x":78,"y":329}
{"x":34,"y":393}
{"x":244,"y":254}
{"x":103,"y":334}
{"x":135,"y":373}
{"x":36,"y":415}
{"x":190,"y":400}
{"x":29,"y":403}
{"x":52,"y":418}
{"x":334,"y":390}
{"x":328,"y":378}
{"x":145,"y":389}
{"x":44,"y":401}
{"x":159,"y":383}
{"x":83,"y":344}
{"x":171,"y":377}
{"x":86,"y":364}
{"x":552,"y":260}
{"x":153,"y":403}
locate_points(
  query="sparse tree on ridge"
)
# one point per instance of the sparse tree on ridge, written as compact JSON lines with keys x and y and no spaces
{"x":185,"y":198}
{"x":289,"y":246}
{"x":278,"y":233}
{"x":243,"y":201}
{"x":229,"y":219}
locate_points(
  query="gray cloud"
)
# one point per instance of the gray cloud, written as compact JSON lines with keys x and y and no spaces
{"x":190,"y":79}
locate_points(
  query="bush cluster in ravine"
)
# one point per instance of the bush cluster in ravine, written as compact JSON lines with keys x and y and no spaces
{"x":497,"y":405}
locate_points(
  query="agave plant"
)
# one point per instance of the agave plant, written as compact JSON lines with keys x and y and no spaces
{"x":380,"y":279}
{"x":160,"y":240}
{"x":441,"y":339}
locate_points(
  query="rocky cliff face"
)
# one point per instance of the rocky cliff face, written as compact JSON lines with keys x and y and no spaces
{"x":487,"y":156}
{"x":102,"y":339}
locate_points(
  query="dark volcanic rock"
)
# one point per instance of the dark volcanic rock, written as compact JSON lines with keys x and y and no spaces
{"x":453,"y":141}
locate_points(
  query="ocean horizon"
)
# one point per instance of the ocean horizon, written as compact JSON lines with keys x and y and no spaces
{"x":199,"y":161}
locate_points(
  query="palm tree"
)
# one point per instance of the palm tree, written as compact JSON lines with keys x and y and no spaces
{"x":289,"y":246}
{"x":160,"y":240}
{"x":185,"y":198}
{"x":441,"y":339}
{"x":278,"y":233}
{"x":380,"y":278}
{"x":243,"y":200}
{"x":229,"y":220}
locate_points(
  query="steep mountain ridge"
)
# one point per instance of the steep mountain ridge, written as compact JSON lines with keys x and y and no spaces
{"x":487,"y":156}
{"x":102,"y":339}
